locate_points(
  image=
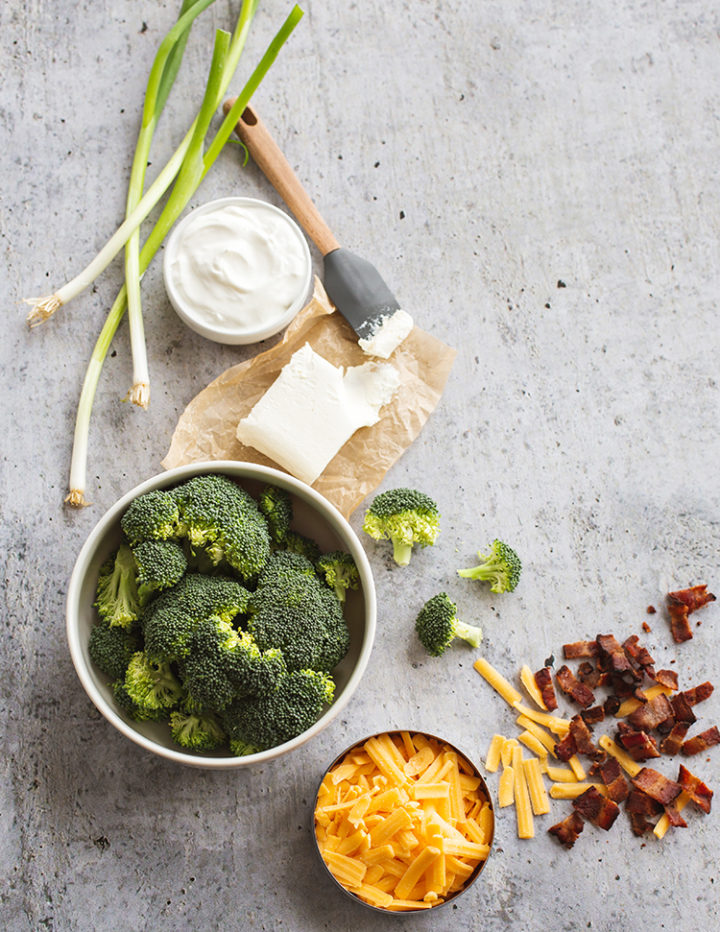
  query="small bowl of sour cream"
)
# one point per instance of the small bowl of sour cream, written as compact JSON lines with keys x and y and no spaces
{"x":237,"y":270}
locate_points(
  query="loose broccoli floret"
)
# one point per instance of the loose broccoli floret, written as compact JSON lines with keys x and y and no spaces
{"x":305,"y":546}
{"x":298,"y":614}
{"x":160,"y":564}
{"x":197,"y":731}
{"x":406,"y":517}
{"x":339,"y":571}
{"x":215,"y":513}
{"x":111,"y":648}
{"x":151,"y":687}
{"x":275,"y":503}
{"x":501,"y":567}
{"x":152,"y":516}
{"x":117,"y":599}
{"x":260,"y":723}
{"x":170,"y":619}
{"x":437,"y":626}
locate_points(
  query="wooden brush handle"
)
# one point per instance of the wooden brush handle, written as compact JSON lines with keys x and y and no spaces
{"x":268,"y":157}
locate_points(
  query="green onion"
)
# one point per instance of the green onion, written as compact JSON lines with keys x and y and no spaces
{"x":192,"y":170}
{"x":165,"y":65}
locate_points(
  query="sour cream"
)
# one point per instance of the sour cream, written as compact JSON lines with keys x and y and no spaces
{"x":237,"y":266}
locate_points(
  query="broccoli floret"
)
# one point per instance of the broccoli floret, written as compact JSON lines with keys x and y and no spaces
{"x":437,"y":626}
{"x":302,"y":617}
{"x":275,"y":503}
{"x":195,"y":730}
{"x":501,"y":567}
{"x":129,"y":706}
{"x":339,"y":571}
{"x":208,"y":667}
{"x":215,"y":513}
{"x":284,"y":567}
{"x":152,"y":516}
{"x":305,"y":546}
{"x":112,"y":648}
{"x":257,"y":724}
{"x":160,"y":564}
{"x":170,"y":619}
{"x":151,"y":687}
{"x":117,"y":599}
{"x":406,"y":517}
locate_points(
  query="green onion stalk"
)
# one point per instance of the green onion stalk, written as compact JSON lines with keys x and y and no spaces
{"x":43,"y":308}
{"x":192,"y":170}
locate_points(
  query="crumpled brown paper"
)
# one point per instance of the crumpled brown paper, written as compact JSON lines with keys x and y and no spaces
{"x":206,"y":429}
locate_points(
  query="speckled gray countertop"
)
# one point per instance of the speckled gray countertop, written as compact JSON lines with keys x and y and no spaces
{"x":538,"y":182}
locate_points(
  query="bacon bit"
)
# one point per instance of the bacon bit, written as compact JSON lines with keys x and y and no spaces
{"x":588,"y":804}
{"x":702,"y":742}
{"x":612,"y":655}
{"x":572,"y":687}
{"x":651,"y":714}
{"x":639,"y":824}
{"x":591,"y":676}
{"x":682,"y":709}
{"x":543,"y":680}
{"x":568,"y":830}
{"x":639,"y":655}
{"x":684,"y":602}
{"x":698,"y":693}
{"x":639,"y":745}
{"x":674,"y":817}
{"x":566,"y":748}
{"x":656,"y":785}
{"x":695,"y":789}
{"x":580,"y":649}
{"x":594,"y":715}
{"x":612,"y":776}
{"x":611,"y":705}
{"x":583,"y":738}
{"x":640,"y":803}
{"x":621,"y":687}
{"x":667,"y":678}
{"x":650,"y":610}
{"x":672,"y":742}
{"x":593,"y":806}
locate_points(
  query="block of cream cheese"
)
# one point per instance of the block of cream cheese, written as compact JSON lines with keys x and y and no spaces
{"x":313,"y":408}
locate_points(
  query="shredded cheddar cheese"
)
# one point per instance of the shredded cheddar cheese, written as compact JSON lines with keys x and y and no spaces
{"x":403,"y":821}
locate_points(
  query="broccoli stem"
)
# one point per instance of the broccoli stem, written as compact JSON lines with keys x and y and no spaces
{"x":485,"y":571}
{"x":469,"y":633}
{"x":401,"y":552}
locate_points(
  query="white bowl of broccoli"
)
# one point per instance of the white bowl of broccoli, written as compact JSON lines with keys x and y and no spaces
{"x":221,"y":614}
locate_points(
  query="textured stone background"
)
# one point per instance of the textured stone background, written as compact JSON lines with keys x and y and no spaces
{"x":479,"y":153}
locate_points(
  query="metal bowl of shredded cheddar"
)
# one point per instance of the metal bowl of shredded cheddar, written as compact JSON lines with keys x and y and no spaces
{"x":403,"y":822}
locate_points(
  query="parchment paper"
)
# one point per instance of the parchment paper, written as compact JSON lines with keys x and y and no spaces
{"x":206,"y":429}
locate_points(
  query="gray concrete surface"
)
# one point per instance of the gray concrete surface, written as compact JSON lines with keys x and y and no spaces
{"x":481,"y":153}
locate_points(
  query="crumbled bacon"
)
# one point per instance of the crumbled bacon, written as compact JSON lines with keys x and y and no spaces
{"x":590,"y":675}
{"x":611,"y":705}
{"x":572,"y":687}
{"x":612,"y":776}
{"x":683,"y":603}
{"x":543,"y":680}
{"x":667,"y":678}
{"x":674,"y":817}
{"x":593,"y":715}
{"x":651,"y":713}
{"x":612,"y":656}
{"x":672,"y":742}
{"x":698,"y":693}
{"x":682,"y":709}
{"x":639,"y":745}
{"x":702,"y":742}
{"x":695,"y":789}
{"x":583,"y":738}
{"x":639,"y":802}
{"x":593,"y":806}
{"x":568,"y":830}
{"x":580,"y":649}
{"x":639,"y":824}
{"x":639,"y":655}
{"x":656,"y":785}
{"x":566,"y":748}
